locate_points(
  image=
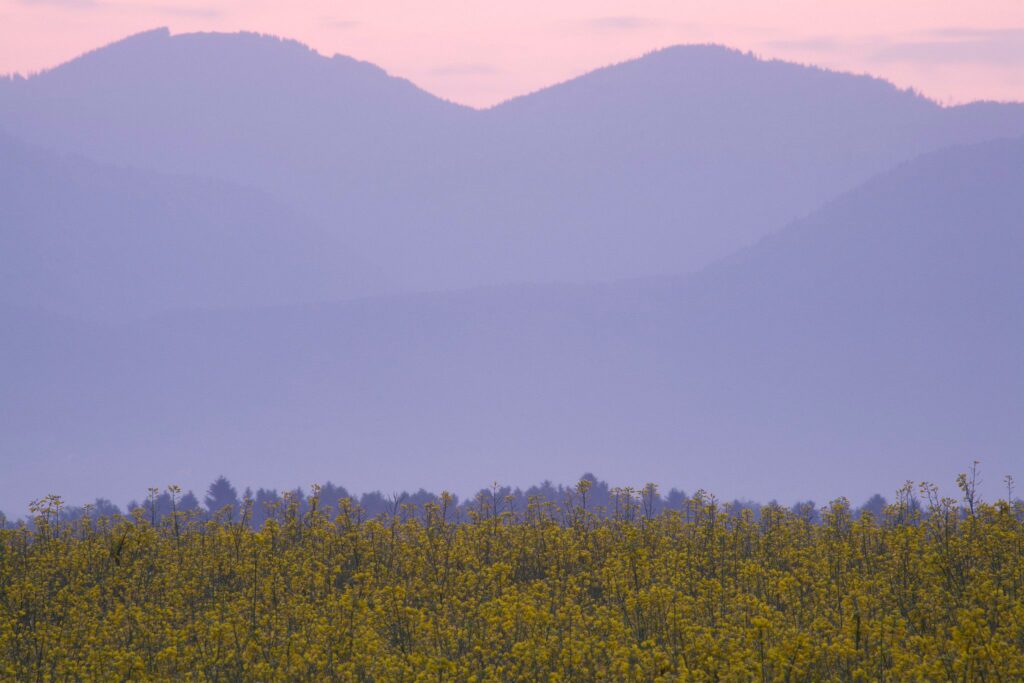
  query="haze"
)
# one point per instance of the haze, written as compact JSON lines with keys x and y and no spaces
{"x":228,"y":253}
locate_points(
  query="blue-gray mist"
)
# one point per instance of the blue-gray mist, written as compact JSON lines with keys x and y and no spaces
{"x":226,"y":253}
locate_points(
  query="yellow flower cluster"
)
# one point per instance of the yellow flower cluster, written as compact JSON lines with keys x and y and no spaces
{"x":544,"y":593}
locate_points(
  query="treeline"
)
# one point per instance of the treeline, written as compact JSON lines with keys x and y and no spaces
{"x":254,"y":508}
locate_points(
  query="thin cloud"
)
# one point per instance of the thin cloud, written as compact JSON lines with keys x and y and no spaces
{"x":75,"y":4}
{"x":996,"y":47}
{"x":471,"y":69}
{"x":342,"y":24}
{"x":185,"y":11}
{"x":813,"y":44}
{"x":960,"y":33}
{"x":622,"y":23}
{"x":1002,"y":47}
{"x":179,"y":10}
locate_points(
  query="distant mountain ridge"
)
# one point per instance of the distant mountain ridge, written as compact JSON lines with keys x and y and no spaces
{"x":876,"y":340}
{"x":105,"y":242}
{"x":655,"y":166}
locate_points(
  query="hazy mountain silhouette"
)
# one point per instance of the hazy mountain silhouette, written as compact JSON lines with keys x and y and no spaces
{"x":99,"y":241}
{"x":874,"y":341}
{"x":666,"y":163}
{"x":655,"y":166}
{"x":249,"y":108}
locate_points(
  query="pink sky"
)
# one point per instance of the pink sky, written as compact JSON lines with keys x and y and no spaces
{"x":480,"y":52}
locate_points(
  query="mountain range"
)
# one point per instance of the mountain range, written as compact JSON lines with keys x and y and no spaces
{"x":100,"y":241}
{"x":230,"y":254}
{"x":656,"y":166}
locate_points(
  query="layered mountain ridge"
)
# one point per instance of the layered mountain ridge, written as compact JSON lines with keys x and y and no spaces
{"x":877,"y":337}
{"x":656,"y":166}
{"x":229,"y":254}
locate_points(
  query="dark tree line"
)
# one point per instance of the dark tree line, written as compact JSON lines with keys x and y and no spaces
{"x":254,"y":508}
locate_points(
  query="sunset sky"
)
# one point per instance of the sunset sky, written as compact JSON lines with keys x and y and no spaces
{"x":481,"y":52}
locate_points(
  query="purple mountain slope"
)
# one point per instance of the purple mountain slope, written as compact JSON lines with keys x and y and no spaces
{"x":656,"y":166}
{"x":105,"y":242}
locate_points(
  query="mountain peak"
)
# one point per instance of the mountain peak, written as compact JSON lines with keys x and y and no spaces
{"x":239,"y":66}
{"x":701,"y":72}
{"x":159,"y":33}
